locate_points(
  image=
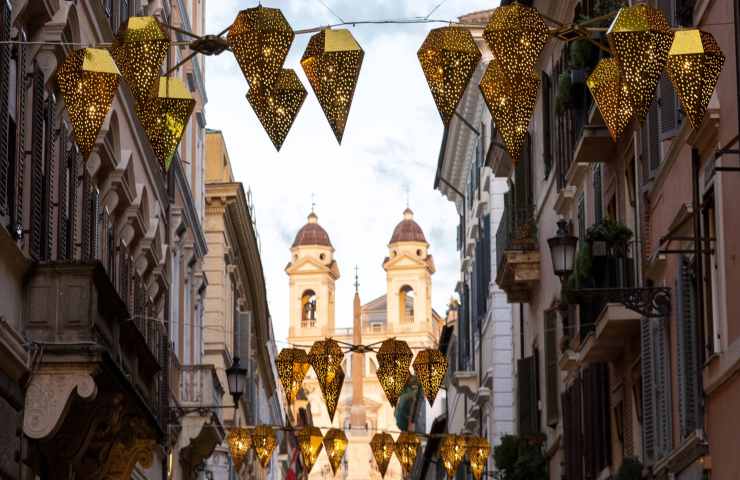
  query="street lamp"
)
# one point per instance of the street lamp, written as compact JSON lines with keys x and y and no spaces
{"x":563,"y":250}
{"x":236,"y":376}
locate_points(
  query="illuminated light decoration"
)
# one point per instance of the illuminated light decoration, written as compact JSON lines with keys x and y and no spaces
{"x":640,"y":38}
{"x":335,"y":444}
{"x":292,"y":366}
{"x":139,"y":51}
{"x":260,"y":38}
{"x":332,"y":62}
{"x":165,"y":116}
{"x":511,"y":105}
{"x":452,"y":452}
{"x":277,"y":107}
{"x":88,"y":80}
{"x":326,"y":357}
{"x":448,"y":58}
{"x":516,"y":35}
{"x":694,"y":64}
{"x":478,"y":450}
{"x":310,"y":445}
{"x":608,"y":90}
{"x":430,"y":366}
{"x":263,"y":442}
{"x":407,"y":446}
{"x":382,"y":445}
{"x":394,"y":358}
{"x":240,"y":441}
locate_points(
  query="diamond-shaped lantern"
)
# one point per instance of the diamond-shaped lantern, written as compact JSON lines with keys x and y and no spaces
{"x":478,"y":450}
{"x":326,"y":357}
{"x":277,"y":106}
{"x":240,"y":441}
{"x":264,"y":442}
{"x":139,"y":50}
{"x":694,"y":64}
{"x":640,"y":38}
{"x":407,"y":446}
{"x":335,"y":444}
{"x":430,"y":366}
{"x":511,"y":105}
{"x":165,"y":116}
{"x":452,"y":452}
{"x":310,"y":445}
{"x":88,"y":80}
{"x":382,"y":445}
{"x":448,"y":58}
{"x":607,"y":88}
{"x":394,"y":358}
{"x":516,"y":35}
{"x":292,"y":366}
{"x":260,"y":38}
{"x":332,"y":62}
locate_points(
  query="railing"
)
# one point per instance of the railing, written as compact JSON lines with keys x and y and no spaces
{"x":516,"y":231}
{"x":154,"y":335}
{"x":174,"y":374}
{"x":200,"y":387}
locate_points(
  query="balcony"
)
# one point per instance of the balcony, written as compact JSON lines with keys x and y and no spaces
{"x":201,"y":388}
{"x":615,"y":327}
{"x":594,"y":145}
{"x":518,"y":259}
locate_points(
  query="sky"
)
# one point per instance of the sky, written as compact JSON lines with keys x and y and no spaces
{"x":389,"y":152}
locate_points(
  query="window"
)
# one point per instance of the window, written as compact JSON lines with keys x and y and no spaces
{"x":406,"y":304}
{"x":308,"y":309}
{"x":552,"y":370}
{"x":598,"y":196}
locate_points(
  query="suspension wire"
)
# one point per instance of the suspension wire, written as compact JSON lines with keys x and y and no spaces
{"x":349,"y":429}
{"x":330,"y":10}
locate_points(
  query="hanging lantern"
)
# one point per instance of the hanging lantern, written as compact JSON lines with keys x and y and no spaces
{"x":511,"y":105}
{"x":448,"y":58}
{"x":326,"y":357}
{"x":292,"y":366}
{"x":478,"y":450}
{"x":407,"y":446}
{"x":88,"y":80}
{"x":139,"y":51}
{"x":332,"y":62}
{"x":164,"y":118}
{"x":335,"y":444}
{"x":382,"y":445}
{"x":309,"y":442}
{"x":608,"y":90}
{"x":264,"y":442}
{"x":260,"y":38}
{"x":240,"y":441}
{"x":694,"y":64}
{"x":430,"y":366}
{"x":452,"y":452}
{"x":640,"y":38}
{"x":277,"y":106}
{"x":394,"y":358}
{"x":516,"y":35}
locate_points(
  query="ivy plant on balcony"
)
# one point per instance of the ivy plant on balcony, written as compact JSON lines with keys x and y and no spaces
{"x":520,"y":458}
{"x":582,"y":273}
{"x":614,"y":234}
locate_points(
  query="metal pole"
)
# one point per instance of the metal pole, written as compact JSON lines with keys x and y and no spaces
{"x":737,"y":61}
{"x":698,"y":272}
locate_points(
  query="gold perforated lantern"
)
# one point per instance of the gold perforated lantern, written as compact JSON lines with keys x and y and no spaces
{"x":277,"y":106}
{"x":335,"y":444}
{"x":407,"y":446}
{"x":292,"y":366}
{"x":452,"y":452}
{"x":88,"y":80}
{"x":165,"y":116}
{"x":448,"y":58}
{"x":516,"y":35}
{"x":326,"y":357}
{"x":511,"y":105}
{"x":478,"y":450}
{"x":260,"y":38}
{"x":394,"y":358}
{"x":264,"y":442}
{"x":382,"y":445}
{"x":310,"y":445}
{"x":694,"y":64}
{"x":332,"y":62}
{"x":608,"y":90}
{"x":430,"y":366}
{"x":139,"y":50}
{"x":240,"y":441}
{"x":640,"y":38}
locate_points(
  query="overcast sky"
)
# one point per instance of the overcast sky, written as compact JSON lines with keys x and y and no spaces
{"x":391,"y":145}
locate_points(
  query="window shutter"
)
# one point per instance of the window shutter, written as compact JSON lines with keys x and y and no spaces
{"x":547,"y":122}
{"x":86,"y":226}
{"x":20,"y":141}
{"x":552,"y":372}
{"x":66,"y":189}
{"x":527,"y":395}
{"x":688,"y":377}
{"x":95,"y":224}
{"x":661,"y":388}
{"x":648,"y":404}
{"x":37,"y":167}
{"x":598,"y":196}
{"x":4,"y":114}
{"x":653,"y":137}
{"x":50,"y":159}
{"x":668,"y":116}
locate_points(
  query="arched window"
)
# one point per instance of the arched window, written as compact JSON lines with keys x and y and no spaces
{"x":308,"y":309}
{"x":406,"y":304}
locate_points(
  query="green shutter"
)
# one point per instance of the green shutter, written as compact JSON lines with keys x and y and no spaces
{"x":552,"y":371}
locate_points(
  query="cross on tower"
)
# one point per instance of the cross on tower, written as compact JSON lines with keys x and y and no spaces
{"x":357,"y":279}
{"x":313,"y":202}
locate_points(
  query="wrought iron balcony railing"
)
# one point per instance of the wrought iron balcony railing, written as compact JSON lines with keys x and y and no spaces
{"x":517,"y":231}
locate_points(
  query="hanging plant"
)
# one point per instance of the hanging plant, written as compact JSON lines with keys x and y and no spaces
{"x":582,"y":55}
{"x":563,"y":99}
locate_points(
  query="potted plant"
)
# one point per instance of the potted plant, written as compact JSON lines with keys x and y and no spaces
{"x":631,"y":469}
{"x":609,"y":237}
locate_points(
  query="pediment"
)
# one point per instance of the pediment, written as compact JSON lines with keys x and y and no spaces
{"x":404,"y":261}
{"x":310,"y":265}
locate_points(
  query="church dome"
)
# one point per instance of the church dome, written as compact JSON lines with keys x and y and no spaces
{"x":312,"y":233}
{"x":408,"y":230}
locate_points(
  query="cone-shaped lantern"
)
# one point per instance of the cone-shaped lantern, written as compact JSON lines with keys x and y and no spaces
{"x":292,"y":366}
{"x":240,"y":441}
{"x":264,"y":442}
{"x":430,"y":366}
{"x":332,"y":62}
{"x":407,"y":446}
{"x":394,"y":359}
{"x":640,"y":38}
{"x":478,"y":450}
{"x":452,"y":452}
{"x":310,"y":445}
{"x":448,"y":58}
{"x":277,"y":106}
{"x":88,"y":80}
{"x":165,"y":116}
{"x":516,"y":35}
{"x":511,"y":105}
{"x":694,"y":64}
{"x":139,"y":50}
{"x":260,"y":38}
{"x":606,"y":86}
{"x":325,"y":357}
{"x":335,"y":444}
{"x":382,"y":445}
